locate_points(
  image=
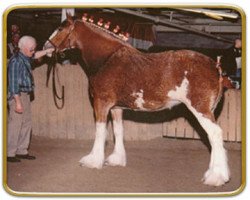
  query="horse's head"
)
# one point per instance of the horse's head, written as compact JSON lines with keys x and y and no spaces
{"x":63,"y":37}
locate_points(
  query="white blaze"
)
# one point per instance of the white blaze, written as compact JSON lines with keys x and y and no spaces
{"x":48,"y":44}
{"x":53,"y":34}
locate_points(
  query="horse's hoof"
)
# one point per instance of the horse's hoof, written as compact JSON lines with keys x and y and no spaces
{"x":215,"y":178}
{"x":92,"y":161}
{"x":116,"y":159}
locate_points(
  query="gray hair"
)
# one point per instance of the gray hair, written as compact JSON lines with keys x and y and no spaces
{"x":24,"y":40}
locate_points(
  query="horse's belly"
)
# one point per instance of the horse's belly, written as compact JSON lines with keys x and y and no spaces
{"x":140,"y":104}
{"x":157,"y":106}
{"x":146,"y":101}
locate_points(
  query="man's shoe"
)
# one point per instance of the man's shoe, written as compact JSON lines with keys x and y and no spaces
{"x":13,"y":159}
{"x":26,"y":156}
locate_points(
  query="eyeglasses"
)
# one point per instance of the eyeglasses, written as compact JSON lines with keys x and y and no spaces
{"x":32,"y":50}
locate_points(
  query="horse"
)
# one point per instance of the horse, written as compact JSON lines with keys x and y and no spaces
{"x":122,"y":77}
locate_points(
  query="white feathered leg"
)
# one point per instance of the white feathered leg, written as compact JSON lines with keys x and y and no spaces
{"x":218,"y":172}
{"x":96,"y":158}
{"x":118,"y":157}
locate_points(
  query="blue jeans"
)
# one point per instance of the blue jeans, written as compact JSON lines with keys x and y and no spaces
{"x":238,"y":73}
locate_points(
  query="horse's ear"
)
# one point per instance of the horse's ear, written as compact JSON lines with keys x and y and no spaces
{"x":69,"y":18}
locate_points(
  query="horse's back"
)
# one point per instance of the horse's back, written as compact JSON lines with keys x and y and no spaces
{"x":169,"y":66}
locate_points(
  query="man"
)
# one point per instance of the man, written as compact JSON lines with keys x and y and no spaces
{"x":231,"y":60}
{"x":20,"y":85}
{"x":13,"y":45}
{"x":238,"y":50}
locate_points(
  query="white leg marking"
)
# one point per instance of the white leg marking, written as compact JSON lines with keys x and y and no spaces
{"x":96,"y":157}
{"x":218,"y":172}
{"x":118,"y":157}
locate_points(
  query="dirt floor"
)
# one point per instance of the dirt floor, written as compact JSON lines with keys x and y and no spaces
{"x":161,"y":165}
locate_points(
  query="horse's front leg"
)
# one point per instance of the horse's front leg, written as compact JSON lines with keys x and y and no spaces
{"x":118,"y":157}
{"x":96,"y":157}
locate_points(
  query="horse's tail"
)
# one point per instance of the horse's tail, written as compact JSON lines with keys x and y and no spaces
{"x":224,"y":83}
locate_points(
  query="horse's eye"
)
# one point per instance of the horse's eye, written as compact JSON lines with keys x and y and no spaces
{"x":60,"y":29}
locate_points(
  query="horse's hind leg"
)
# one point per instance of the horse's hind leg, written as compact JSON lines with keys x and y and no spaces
{"x":96,"y":157}
{"x":118,"y":157}
{"x":218,"y":171}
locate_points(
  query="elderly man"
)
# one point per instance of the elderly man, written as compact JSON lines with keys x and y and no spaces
{"x":20,"y":85}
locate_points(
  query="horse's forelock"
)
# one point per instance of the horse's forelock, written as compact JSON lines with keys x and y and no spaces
{"x":66,"y":23}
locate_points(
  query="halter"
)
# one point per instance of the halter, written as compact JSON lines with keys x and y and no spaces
{"x":65,"y":38}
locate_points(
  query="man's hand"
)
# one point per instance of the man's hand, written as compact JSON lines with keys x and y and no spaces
{"x":19,"y":106}
{"x":49,"y":51}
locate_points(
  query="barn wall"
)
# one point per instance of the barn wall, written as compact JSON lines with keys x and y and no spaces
{"x":76,"y":121}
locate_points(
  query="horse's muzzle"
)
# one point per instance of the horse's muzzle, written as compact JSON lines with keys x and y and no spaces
{"x":48,"y":44}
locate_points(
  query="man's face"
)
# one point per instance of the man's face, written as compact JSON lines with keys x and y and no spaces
{"x":15,"y":38}
{"x":238,"y":43}
{"x":29,"y":49}
{"x":14,"y":28}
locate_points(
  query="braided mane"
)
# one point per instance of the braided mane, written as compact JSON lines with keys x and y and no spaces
{"x":100,"y":28}
{"x":107,"y":31}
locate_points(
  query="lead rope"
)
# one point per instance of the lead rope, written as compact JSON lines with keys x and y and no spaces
{"x":55,"y":94}
{"x":56,"y":97}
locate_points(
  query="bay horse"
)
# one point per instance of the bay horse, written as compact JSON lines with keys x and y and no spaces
{"x":122,"y":77}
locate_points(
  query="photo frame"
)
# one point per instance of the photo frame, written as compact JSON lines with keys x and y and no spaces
{"x":151,"y":29}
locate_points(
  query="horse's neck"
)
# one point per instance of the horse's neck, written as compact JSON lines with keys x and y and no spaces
{"x":95,"y":47}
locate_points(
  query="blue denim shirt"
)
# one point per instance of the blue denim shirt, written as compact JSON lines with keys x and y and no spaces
{"x":20,"y":78}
